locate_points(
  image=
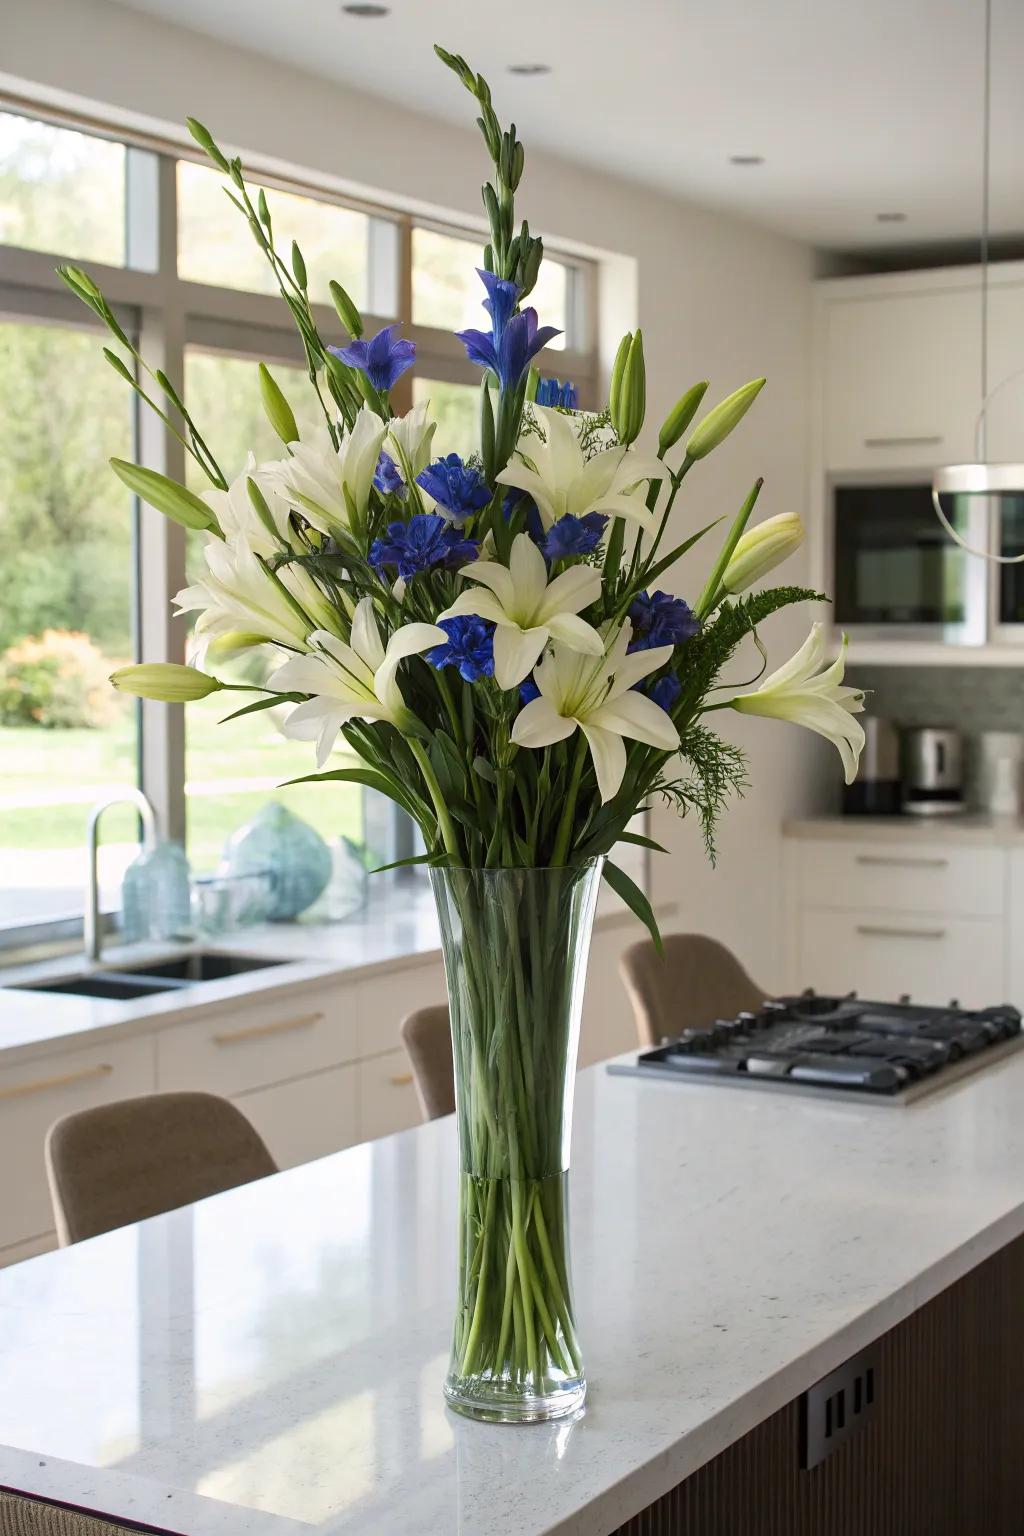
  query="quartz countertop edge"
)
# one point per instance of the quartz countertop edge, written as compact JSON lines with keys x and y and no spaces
{"x":40,"y":1024}
{"x":966,"y":829}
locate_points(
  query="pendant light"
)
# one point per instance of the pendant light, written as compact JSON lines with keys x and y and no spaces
{"x":982,"y":478}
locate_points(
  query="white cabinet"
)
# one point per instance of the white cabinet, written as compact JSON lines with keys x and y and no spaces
{"x":261,"y":1041}
{"x":32,"y":1097}
{"x":387,"y":1096}
{"x":901,"y":378}
{"x":884,"y":954}
{"x":308,"y":1117}
{"x":1004,"y":420}
{"x":924,"y":916}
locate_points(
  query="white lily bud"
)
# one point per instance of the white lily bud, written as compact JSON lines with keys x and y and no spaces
{"x":166,"y":681}
{"x":760,"y":549}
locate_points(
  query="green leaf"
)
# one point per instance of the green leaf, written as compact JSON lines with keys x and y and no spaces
{"x":635,"y":900}
{"x":167,"y":496}
{"x":641,"y":841}
{"x":366,"y":776}
{"x":268,"y":703}
{"x":679,"y":551}
{"x":485,"y":770}
{"x":417,"y":858}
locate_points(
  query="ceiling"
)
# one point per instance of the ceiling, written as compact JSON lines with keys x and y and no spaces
{"x":859,"y":107}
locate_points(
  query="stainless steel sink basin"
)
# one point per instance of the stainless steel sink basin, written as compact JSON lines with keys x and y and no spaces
{"x":129,"y":983}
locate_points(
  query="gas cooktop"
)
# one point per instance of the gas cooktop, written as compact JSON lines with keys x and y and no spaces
{"x":892,"y":1052}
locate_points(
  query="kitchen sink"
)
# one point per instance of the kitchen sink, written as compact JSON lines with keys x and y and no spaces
{"x":208,"y":965}
{"x":128,"y":983}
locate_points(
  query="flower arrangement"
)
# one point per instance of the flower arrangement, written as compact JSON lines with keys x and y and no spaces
{"x":490,"y":638}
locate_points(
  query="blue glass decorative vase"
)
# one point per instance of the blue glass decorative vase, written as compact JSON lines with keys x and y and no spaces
{"x":290,"y":850}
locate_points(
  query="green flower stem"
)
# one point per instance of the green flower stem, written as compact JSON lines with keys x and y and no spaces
{"x":565,"y":825}
{"x":444,"y":820}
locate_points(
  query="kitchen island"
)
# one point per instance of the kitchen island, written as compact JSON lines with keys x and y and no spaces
{"x":270,"y":1361}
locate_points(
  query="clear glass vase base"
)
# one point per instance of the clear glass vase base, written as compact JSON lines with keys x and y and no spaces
{"x":501,"y":1404}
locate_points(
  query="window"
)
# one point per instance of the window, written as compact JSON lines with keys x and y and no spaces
{"x":79,"y":557}
{"x":61,"y":191}
{"x":446,"y":291}
{"x":66,"y":738}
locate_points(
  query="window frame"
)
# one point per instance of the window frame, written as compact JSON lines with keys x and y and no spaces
{"x":168,"y":315}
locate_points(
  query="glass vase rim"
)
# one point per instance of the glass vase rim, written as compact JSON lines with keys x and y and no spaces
{"x":585,"y":866}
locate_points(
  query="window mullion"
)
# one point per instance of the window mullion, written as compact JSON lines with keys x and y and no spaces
{"x":161,"y":542}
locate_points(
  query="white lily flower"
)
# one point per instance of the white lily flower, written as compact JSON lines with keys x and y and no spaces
{"x":410,"y":438}
{"x":238,"y":594}
{"x":330,"y":487}
{"x":555,"y":473}
{"x":528,"y":609}
{"x":599,"y":697}
{"x":818,"y":702}
{"x":350,"y":682}
{"x":238,"y":519}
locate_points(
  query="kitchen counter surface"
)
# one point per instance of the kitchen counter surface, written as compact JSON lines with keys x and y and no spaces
{"x":968,"y":829}
{"x":269,"y":1362}
{"x":398,"y":928}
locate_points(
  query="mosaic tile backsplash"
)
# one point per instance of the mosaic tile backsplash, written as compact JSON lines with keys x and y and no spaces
{"x":972,"y":699}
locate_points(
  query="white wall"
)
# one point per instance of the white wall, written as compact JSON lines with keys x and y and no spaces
{"x":718,"y":299}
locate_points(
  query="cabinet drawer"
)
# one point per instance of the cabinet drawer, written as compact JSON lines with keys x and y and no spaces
{"x":261,"y":1042}
{"x":903,"y":876}
{"x":36,"y":1094}
{"x":387,"y":1096}
{"x":307,"y":1118}
{"x":385,"y":1000}
{"x":882,"y":955}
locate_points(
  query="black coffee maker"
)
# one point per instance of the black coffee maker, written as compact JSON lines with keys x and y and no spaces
{"x":877,"y":790}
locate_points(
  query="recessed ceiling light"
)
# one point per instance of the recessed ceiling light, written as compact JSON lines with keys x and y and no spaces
{"x":891,"y":218}
{"x":746,"y":159}
{"x":366,"y":11}
{"x":529,"y":69}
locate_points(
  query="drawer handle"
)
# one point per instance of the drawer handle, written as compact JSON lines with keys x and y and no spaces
{"x":902,"y":442}
{"x":21,"y":1090}
{"x":876,"y":931}
{"x":260,"y":1031}
{"x":892,"y":862}
{"x":401,"y":1080}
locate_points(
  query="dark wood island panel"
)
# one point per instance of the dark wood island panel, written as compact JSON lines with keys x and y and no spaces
{"x":941,"y":1455}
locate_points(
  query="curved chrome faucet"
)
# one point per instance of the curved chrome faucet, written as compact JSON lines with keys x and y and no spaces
{"x":91,"y":922}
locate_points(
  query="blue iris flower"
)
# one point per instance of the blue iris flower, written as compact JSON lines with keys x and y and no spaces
{"x":574,"y":536}
{"x":470,"y":647}
{"x":508,"y":348}
{"x":387,"y":478}
{"x":528,"y":691}
{"x":665,"y":691}
{"x":425,"y":541}
{"x":383,"y":359}
{"x":460,"y":490}
{"x":550,"y":392}
{"x":660,"y":619}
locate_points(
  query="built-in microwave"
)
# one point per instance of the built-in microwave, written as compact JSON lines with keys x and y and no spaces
{"x":897,"y":575}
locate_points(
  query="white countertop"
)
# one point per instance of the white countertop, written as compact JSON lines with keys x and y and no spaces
{"x":969,"y":828}
{"x":270,"y":1362}
{"x":398,"y":928}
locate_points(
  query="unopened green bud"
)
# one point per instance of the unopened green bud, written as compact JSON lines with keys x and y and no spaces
{"x":615,"y":384}
{"x":680,"y":416}
{"x":721,"y":419}
{"x":166,"y":681}
{"x":632,"y":402}
{"x":760,"y":549}
{"x":260,"y":507}
{"x":167,"y":496}
{"x":348,"y":314}
{"x":278,"y":412}
{"x":299,"y":267}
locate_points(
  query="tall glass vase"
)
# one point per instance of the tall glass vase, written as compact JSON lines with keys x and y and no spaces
{"x":515,"y":951}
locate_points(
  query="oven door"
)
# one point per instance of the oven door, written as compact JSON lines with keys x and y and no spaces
{"x":896,"y":574}
{"x":1008,"y":580}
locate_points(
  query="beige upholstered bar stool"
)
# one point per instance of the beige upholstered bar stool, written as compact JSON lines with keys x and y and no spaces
{"x":118,"y":1163}
{"x":427,"y":1037}
{"x":697,"y":982}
